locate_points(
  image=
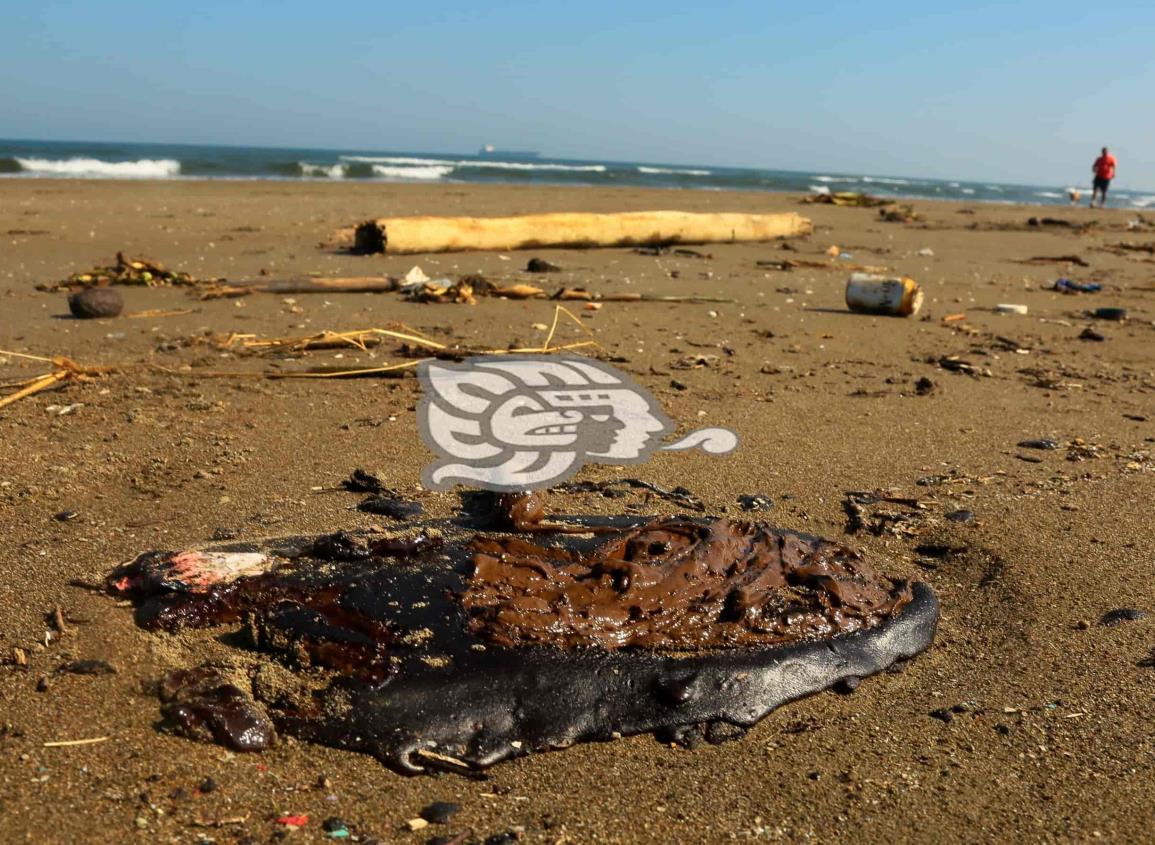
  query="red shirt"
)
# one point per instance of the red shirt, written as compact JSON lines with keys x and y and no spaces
{"x":1105,"y":166}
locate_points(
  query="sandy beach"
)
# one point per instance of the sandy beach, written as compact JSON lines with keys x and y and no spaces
{"x":1027,"y":720}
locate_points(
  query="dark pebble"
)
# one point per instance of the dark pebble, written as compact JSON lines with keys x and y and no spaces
{"x":1030,"y":459}
{"x":93,"y":303}
{"x":1002,"y":729}
{"x":943,"y":715}
{"x":363,"y":482}
{"x":1110,"y":313}
{"x":677,"y":385}
{"x":540,"y":265}
{"x":440,"y":812}
{"x":87,"y":667}
{"x":755,"y":502}
{"x":333,"y":824}
{"x":1122,"y":614}
{"x":924,"y":386}
{"x":390,"y":506}
{"x":66,"y":516}
{"x":1039,"y":444}
{"x":961,"y":516}
{"x":848,"y":685}
{"x":1090,"y":334}
{"x":207,"y":785}
{"x":42,"y":684}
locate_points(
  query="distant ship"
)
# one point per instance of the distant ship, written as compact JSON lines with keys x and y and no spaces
{"x":490,"y":150}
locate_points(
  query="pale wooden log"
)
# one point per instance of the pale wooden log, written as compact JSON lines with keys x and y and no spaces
{"x":403,"y":235}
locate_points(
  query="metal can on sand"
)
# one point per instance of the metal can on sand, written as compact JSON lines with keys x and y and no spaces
{"x":895,"y":295}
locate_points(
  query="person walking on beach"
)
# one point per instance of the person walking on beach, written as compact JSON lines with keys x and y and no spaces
{"x":1104,"y":170}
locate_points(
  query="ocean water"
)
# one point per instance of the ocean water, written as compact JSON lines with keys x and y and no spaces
{"x":57,"y":159}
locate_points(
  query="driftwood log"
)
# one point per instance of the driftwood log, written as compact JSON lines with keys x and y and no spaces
{"x":403,"y":235}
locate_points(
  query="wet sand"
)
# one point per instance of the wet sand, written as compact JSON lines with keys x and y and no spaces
{"x":1041,"y":727}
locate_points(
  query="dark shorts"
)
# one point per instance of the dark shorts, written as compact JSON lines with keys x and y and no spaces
{"x":1102,"y":184}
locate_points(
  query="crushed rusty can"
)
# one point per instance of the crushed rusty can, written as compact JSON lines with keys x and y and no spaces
{"x":871,"y":294}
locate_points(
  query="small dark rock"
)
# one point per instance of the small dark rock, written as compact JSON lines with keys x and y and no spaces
{"x":66,"y":516}
{"x":848,"y":685}
{"x":943,"y":715}
{"x":206,"y":786}
{"x":1030,"y":459}
{"x":1039,"y":444}
{"x":755,"y":502}
{"x":1117,"y":314}
{"x":1122,"y":614}
{"x":42,"y":684}
{"x":501,"y":839}
{"x":677,"y":385}
{"x":1090,"y":334}
{"x":1002,"y":729}
{"x":363,"y":482}
{"x":540,"y":265}
{"x":333,"y":824}
{"x":87,"y":667}
{"x":440,"y":812}
{"x":961,"y":516}
{"x":391,"y":506}
{"x":924,"y":386}
{"x":95,"y":303}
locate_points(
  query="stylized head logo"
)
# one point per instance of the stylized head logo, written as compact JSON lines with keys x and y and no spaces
{"x":523,"y":422}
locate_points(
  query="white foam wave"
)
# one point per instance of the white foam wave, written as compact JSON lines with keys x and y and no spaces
{"x":819,"y":189}
{"x":145,"y":168}
{"x":1142,"y":202}
{"x":674,"y":171}
{"x":994,"y":188}
{"x":490,"y":165}
{"x":884,"y":181}
{"x":967,"y":190}
{"x":421,"y":173}
{"x":335,"y":171}
{"x":1049,"y":195}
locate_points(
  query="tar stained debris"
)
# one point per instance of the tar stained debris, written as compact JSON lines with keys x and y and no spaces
{"x":201,"y":703}
{"x":87,"y":667}
{"x":1044,"y":444}
{"x":440,"y":812}
{"x":446,"y":647}
{"x":391,"y":505}
{"x":1122,"y":614}
{"x":755,"y":502}
{"x":675,"y":583}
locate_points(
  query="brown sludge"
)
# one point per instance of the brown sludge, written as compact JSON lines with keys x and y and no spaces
{"x":676,"y":584}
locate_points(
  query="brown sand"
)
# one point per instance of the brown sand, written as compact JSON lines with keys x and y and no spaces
{"x":1054,"y":741}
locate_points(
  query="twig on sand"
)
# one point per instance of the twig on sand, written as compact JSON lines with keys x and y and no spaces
{"x":68,"y":743}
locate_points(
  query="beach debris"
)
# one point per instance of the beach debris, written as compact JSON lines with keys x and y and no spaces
{"x":658,"y":251}
{"x":201,"y":704}
{"x":390,"y":504}
{"x":1122,"y":614}
{"x":613,"y":489}
{"x":1057,"y":222}
{"x":924,"y":386}
{"x":1116,"y":314}
{"x":963,"y":516}
{"x":755,"y":502}
{"x":63,"y":370}
{"x":1043,"y":444}
{"x":846,"y":199}
{"x":441,"y":290}
{"x":788,"y":264}
{"x":872,"y":294}
{"x":882,"y":519}
{"x":1090,"y":334}
{"x":540,"y":265}
{"x":1077,"y":260}
{"x":1130,"y":246}
{"x":221,"y":289}
{"x":1010,"y":308}
{"x":898,"y":214}
{"x":86,"y":667}
{"x":833,"y":251}
{"x":440,"y":812}
{"x":401,"y":235}
{"x":362,"y":481}
{"x":293,"y":821}
{"x":95,"y":303}
{"x":72,"y":743}
{"x":126,"y":271}
{"x":536,"y":642}
{"x":1065,"y":285}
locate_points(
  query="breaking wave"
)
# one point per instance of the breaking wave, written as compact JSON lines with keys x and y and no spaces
{"x":145,"y":168}
{"x":428,"y":173}
{"x":453,"y":164}
{"x":329,"y":171}
{"x":672,"y":171}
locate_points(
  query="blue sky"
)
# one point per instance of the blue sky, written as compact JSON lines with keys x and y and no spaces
{"x":1013,"y":91}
